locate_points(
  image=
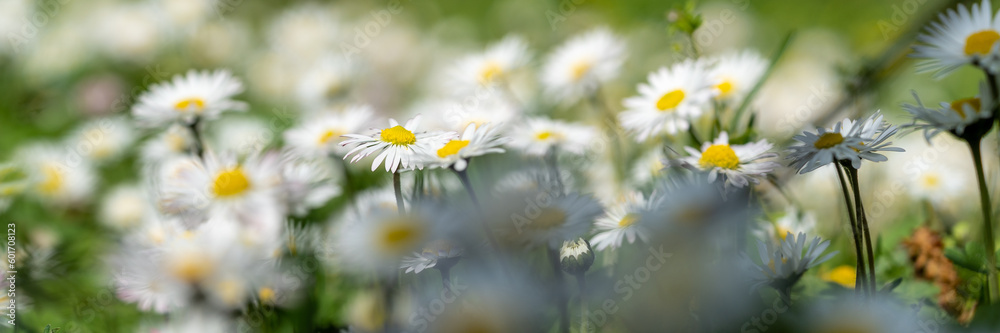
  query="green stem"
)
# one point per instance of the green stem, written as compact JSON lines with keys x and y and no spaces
{"x":396,"y":187}
{"x":753,"y":92}
{"x":863,"y":219}
{"x":199,"y":149}
{"x":561,"y":302}
{"x":861,"y":277}
{"x":464,"y":177}
{"x":581,"y":280}
{"x":987,"y":207}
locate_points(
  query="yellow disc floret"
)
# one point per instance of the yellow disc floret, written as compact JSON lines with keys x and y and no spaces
{"x":452,"y":148}
{"x":670,"y":100}
{"x":828,"y":140}
{"x":959,"y":105}
{"x":721,"y":156}
{"x":981,"y":42}
{"x":230,"y":182}
{"x":186,"y":104}
{"x":398,"y":135}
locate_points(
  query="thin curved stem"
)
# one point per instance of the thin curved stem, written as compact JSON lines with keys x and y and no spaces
{"x":987,"y":207}
{"x":861,"y":277}
{"x":397,"y":187}
{"x":863,"y":220}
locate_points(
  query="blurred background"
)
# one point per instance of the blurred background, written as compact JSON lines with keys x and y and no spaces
{"x":64,"y":62}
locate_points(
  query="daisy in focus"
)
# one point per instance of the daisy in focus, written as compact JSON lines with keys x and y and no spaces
{"x":951,"y":117}
{"x":475,"y":141}
{"x":619,"y":222}
{"x":490,"y":67}
{"x":961,"y":36}
{"x":195,"y":95}
{"x":733,"y":75}
{"x":739,"y":165}
{"x":826,"y":146}
{"x":319,"y":135}
{"x":583,"y":63}
{"x":538,"y":135}
{"x":397,"y":145}
{"x":670,"y":99}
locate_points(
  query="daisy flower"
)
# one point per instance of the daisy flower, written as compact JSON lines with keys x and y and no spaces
{"x":951,"y":117}
{"x":670,"y":99}
{"x":567,"y":217}
{"x":441,"y":254}
{"x":734,"y":75}
{"x":475,"y":141}
{"x":397,"y":145}
{"x":584,"y":62}
{"x":125,"y":207}
{"x":319,"y":134}
{"x":537,"y":135}
{"x":841,"y":143}
{"x":56,"y":175}
{"x":789,"y":258}
{"x":490,"y":67}
{"x":740,"y":165}
{"x":173,"y":142}
{"x":793,"y":222}
{"x":103,"y":140}
{"x":246,"y":190}
{"x":330,"y":79}
{"x":619,"y":222}
{"x":186,"y":98}
{"x":874,"y":132}
{"x":961,"y":37}
{"x":307,"y":183}
{"x":242,"y":135}
{"x":378,"y":238}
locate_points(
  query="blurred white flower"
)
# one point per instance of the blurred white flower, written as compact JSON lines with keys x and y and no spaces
{"x":103,"y":140}
{"x":619,"y":222}
{"x":536,"y":136}
{"x":240,"y":134}
{"x":320,"y":134}
{"x":126,"y":207}
{"x":175,"y":141}
{"x":331,"y":78}
{"x":581,"y":64}
{"x":493,"y":66}
{"x":56,"y":175}
{"x":960,"y":37}
{"x":308,"y":183}
{"x":733,"y":75}
{"x":186,"y":98}
{"x":456,"y":153}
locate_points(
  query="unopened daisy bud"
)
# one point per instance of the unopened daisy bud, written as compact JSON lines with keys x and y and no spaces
{"x":576,"y":256}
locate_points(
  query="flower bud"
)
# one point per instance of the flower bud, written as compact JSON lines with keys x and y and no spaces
{"x":576,"y":256}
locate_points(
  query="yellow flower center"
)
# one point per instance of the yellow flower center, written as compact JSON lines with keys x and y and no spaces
{"x":545,"y":135}
{"x":399,"y":236}
{"x":959,"y":105}
{"x":981,"y":42}
{"x":230,"y":291}
{"x":265,"y":294}
{"x":844,"y":275}
{"x":188,"y":104}
{"x":549,"y":218}
{"x":580,"y":69}
{"x":452,"y":148}
{"x":490,"y":72}
{"x":193,"y":267}
{"x":52,"y":180}
{"x":670,"y":100}
{"x":328,"y":135}
{"x":398,"y":135}
{"x":231,"y":182}
{"x":719,"y":156}
{"x":930,"y":181}
{"x":724,"y":88}
{"x":628,"y":220}
{"x":828,"y":140}
{"x":783,"y":232}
